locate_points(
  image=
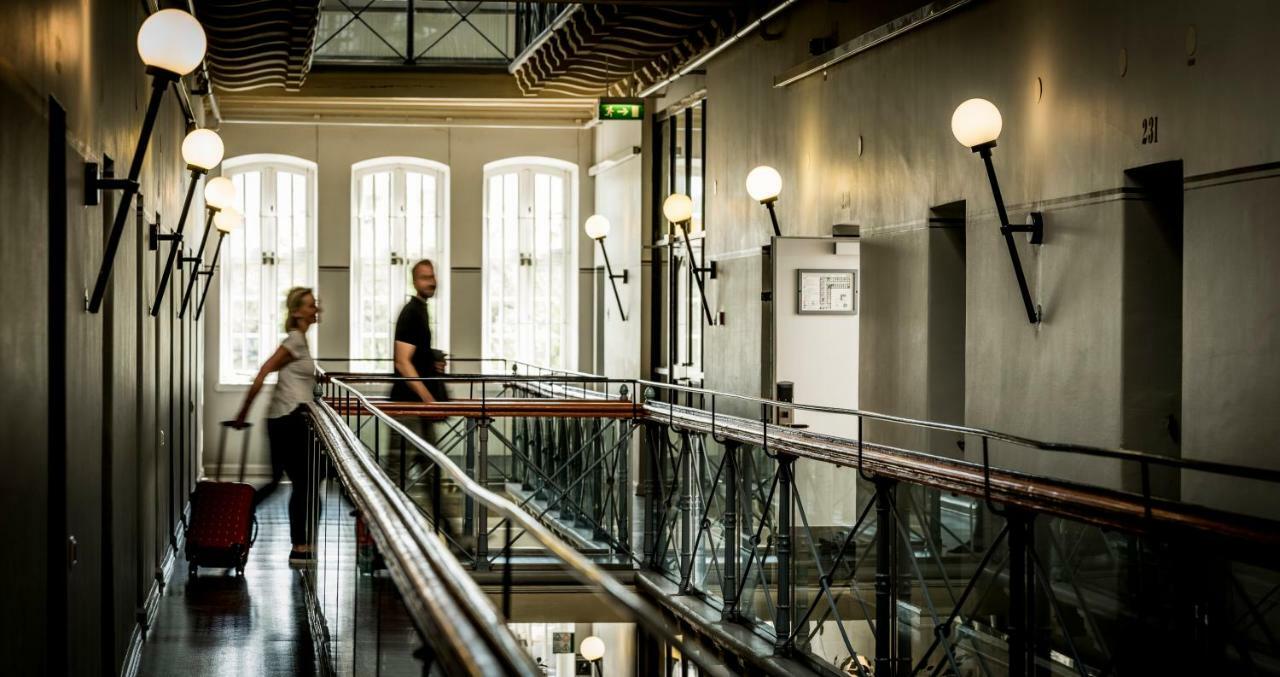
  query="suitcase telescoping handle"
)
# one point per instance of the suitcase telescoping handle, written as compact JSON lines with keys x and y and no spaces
{"x":222,"y":448}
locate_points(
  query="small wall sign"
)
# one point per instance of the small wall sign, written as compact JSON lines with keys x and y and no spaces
{"x":826,"y":292}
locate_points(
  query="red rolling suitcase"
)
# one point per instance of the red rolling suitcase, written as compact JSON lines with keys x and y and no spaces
{"x":223,"y":526}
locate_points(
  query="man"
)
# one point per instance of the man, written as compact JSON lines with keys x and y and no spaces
{"x":414,"y":357}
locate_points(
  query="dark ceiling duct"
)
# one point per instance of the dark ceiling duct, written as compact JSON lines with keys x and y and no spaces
{"x":259,"y":43}
{"x":601,"y":49}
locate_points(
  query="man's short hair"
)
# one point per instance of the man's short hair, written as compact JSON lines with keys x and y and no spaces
{"x":424,"y":262}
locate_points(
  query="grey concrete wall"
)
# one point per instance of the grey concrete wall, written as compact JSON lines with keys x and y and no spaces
{"x":114,"y":467}
{"x":334,"y":148}
{"x":1074,"y":81}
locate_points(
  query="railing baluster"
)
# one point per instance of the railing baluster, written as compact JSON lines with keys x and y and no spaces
{"x":782,"y":617}
{"x":886,"y":578}
{"x":732,"y":535}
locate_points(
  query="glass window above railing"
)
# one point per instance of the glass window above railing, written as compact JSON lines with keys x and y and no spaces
{"x":426,"y":33}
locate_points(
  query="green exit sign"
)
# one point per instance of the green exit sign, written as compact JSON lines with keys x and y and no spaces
{"x":621,"y":109}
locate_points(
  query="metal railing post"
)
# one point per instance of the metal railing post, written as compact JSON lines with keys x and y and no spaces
{"x":782,"y":619}
{"x":481,"y":511}
{"x":1021,"y":646}
{"x":469,"y":464}
{"x":649,"y":485}
{"x":886,"y":573}
{"x":688,"y":522}
{"x":732,"y":535}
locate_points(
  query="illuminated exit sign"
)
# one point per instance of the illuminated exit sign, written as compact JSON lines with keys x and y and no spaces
{"x":621,"y":109}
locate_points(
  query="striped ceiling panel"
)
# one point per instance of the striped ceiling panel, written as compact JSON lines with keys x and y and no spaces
{"x":259,"y":43}
{"x":602,"y":49}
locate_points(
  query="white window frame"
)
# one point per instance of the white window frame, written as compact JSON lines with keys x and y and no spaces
{"x":271,"y":310}
{"x":524,"y":166}
{"x":398,"y":166}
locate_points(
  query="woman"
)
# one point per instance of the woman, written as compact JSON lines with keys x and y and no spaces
{"x":286,"y":427}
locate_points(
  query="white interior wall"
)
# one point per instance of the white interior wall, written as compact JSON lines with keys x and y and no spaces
{"x":334,"y":148}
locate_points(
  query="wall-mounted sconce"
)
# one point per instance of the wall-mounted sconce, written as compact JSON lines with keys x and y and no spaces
{"x":597,"y":227}
{"x":226,"y":220}
{"x":678,"y":209}
{"x":764,"y":183}
{"x":219,"y":194}
{"x":592,"y":650}
{"x":202,"y":149}
{"x":171,"y":44}
{"x":976,"y":125}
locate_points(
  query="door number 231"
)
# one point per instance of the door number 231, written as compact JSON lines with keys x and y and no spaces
{"x":1150,"y":130}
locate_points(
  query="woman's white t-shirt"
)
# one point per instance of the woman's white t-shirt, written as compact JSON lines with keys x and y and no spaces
{"x":296,"y":380}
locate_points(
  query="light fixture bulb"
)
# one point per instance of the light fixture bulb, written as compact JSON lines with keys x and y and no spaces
{"x":171,"y":40}
{"x":764,"y":183}
{"x":976,"y":122}
{"x":592,"y":648}
{"x":202,"y":149}
{"x":227,"y":220}
{"x":219,"y":193}
{"x":678,"y":208}
{"x":597,"y":227}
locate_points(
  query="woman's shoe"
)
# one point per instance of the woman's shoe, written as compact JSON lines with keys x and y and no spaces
{"x":301,"y":556}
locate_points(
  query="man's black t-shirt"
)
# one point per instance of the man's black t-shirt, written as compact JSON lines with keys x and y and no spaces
{"x":413,"y":327}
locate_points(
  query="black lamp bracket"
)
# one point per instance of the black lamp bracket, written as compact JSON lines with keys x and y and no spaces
{"x":98,"y":178}
{"x":708,"y":272}
{"x":155,"y":235}
{"x":1034,"y":227}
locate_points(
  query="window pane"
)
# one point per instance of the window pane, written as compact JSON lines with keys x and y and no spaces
{"x":528,"y":264}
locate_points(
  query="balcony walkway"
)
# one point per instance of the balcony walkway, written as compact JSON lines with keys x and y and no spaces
{"x":220,"y":624}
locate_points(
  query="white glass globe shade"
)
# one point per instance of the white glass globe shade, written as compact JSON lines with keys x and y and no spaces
{"x":597,"y":226}
{"x":975,"y":122}
{"x":678,"y":208}
{"x":764,"y":183}
{"x":592,"y":648}
{"x":172,"y":40}
{"x":227,"y":220}
{"x":219,"y":193}
{"x":203,"y":149}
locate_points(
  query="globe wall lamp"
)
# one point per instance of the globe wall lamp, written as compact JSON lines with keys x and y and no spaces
{"x":764,"y":183}
{"x":678,"y":208}
{"x":592,"y":649}
{"x":202,"y":149}
{"x":171,"y":44}
{"x":219,"y":194}
{"x":597,"y":227}
{"x":226,"y":220}
{"x":976,"y":125}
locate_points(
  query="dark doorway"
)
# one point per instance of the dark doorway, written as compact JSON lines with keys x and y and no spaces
{"x":1152,"y":343}
{"x":947,"y":317}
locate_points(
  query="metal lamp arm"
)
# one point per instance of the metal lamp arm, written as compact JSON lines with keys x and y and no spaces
{"x":199,"y":259}
{"x":697,"y":272}
{"x":1007,"y":230}
{"x":613,"y":278}
{"x":213,"y":267}
{"x":176,"y":242}
{"x":159,"y":83}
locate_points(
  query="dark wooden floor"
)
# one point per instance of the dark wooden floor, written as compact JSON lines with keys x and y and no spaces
{"x":221,"y":624}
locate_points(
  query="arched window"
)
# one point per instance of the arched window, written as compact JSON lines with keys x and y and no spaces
{"x":399,"y":215}
{"x":275,"y":250}
{"x":530,"y":286}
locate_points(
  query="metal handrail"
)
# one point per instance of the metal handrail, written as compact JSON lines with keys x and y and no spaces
{"x":436,"y":590}
{"x":1141,"y":457}
{"x":625,"y":601}
{"x":1212,"y":467}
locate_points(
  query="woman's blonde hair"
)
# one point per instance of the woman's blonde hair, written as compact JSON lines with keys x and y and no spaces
{"x":292,"y":302}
